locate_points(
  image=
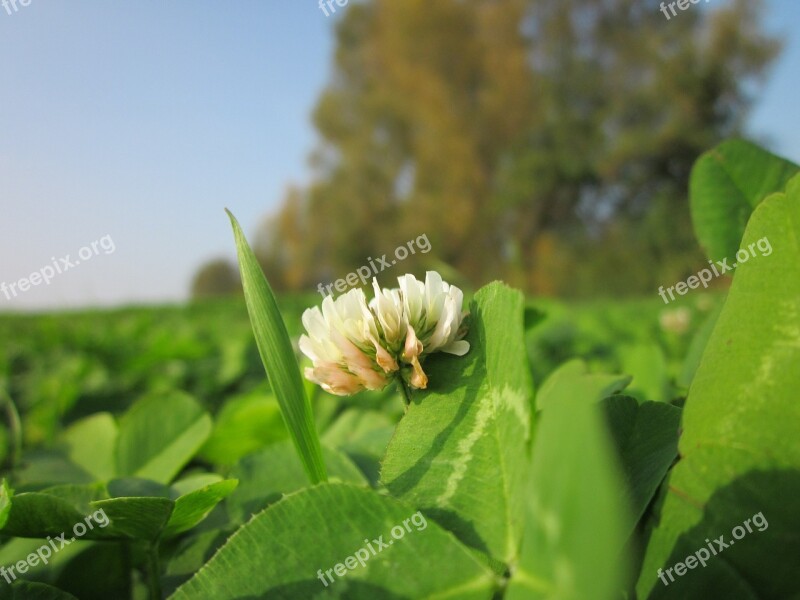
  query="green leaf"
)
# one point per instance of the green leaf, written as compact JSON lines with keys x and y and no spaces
{"x":576,"y":524}
{"x":573,"y":380}
{"x":193,"y":552}
{"x":137,"y":509}
{"x":54,"y":511}
{"x":739,"y":449}
{"x":243,"y":425}
{"x":533,"y":316}
{"x":363,"y":435}
{"x":646,"y":439}
{"x":698,"y":345}
{"x":646,"y":364}
{"x":141,"y":518}
{"x":278,"y":357}
{"x":135,"y":487}
{"x":461,"y":452}
{"x":159,"y":435}
{"x":94,"y":570}
{"x":282,"y":552}
{"x":42,"y":468}
{"x":192,"y":483}
{"x":726,"y":184}
{"x":5,"y":502}
{"x":276,"y":470}
{"x":26,"y":590}
{"x":193,"y":507}
{"x":91,"y":445}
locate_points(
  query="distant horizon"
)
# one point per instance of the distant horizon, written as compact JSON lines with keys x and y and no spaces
{"x":142,"y":122}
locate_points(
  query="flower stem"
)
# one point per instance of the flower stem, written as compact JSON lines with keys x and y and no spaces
{"x":405,"y":391}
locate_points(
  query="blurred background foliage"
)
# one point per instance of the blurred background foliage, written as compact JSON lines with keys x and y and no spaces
{"x":544,"y":142}
{"x":60,"y":368}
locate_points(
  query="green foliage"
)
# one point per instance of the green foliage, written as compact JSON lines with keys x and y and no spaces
{"x":137,"y":509}
{"x":282,"y":548}
{"x":646,"y":364}
{"x":275,"y":471}
{"x":727,"y":184}
{"x":23,"y":590}
{"x":193,"y":506}
{"x":461,"y":451}
{"x":646,"y":440}
{"x":278,"y":358}
{"x":576,"y":521}
{"x":572,"y":380}
{"x":159,"y":435}
{"x":739,"y":448}
{"x":243,"y":425}
{"x":697,"y":347}
{"x":91,"y":444}
{"x":577,"y":493}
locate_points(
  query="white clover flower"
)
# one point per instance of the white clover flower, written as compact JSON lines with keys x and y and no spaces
{"x":343,"y":345}
{"x":387,"y":305}
{"x":433,"y":318}
{"x":675,"y":320}
{"x":356,"y":346}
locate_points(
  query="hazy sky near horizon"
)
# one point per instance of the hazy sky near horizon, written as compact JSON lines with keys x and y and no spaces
{"x":139,"y":122}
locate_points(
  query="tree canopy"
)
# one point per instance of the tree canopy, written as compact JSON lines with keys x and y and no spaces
{"x":546,"y":142}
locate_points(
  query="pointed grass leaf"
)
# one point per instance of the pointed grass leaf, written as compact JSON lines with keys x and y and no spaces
{"x":278,"y":357}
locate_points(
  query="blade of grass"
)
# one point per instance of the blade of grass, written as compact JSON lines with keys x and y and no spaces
{"x":278,"y":357}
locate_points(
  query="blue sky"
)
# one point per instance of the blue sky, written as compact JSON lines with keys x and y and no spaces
{"x":141,"y":121}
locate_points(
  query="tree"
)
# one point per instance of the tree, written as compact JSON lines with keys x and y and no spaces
{"x":218,"y":277}
{"x":488,"y":123}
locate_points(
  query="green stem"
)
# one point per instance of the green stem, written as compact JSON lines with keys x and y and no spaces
{"x":153,"y":572}
{"x":405,"y":391}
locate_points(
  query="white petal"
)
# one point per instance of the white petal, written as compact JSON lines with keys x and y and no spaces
{"x":459,"y":348}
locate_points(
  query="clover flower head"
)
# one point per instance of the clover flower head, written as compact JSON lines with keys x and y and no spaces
{"x":342,"y":343}
{"x":354,"y":345}
{"x":675,"y":320}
